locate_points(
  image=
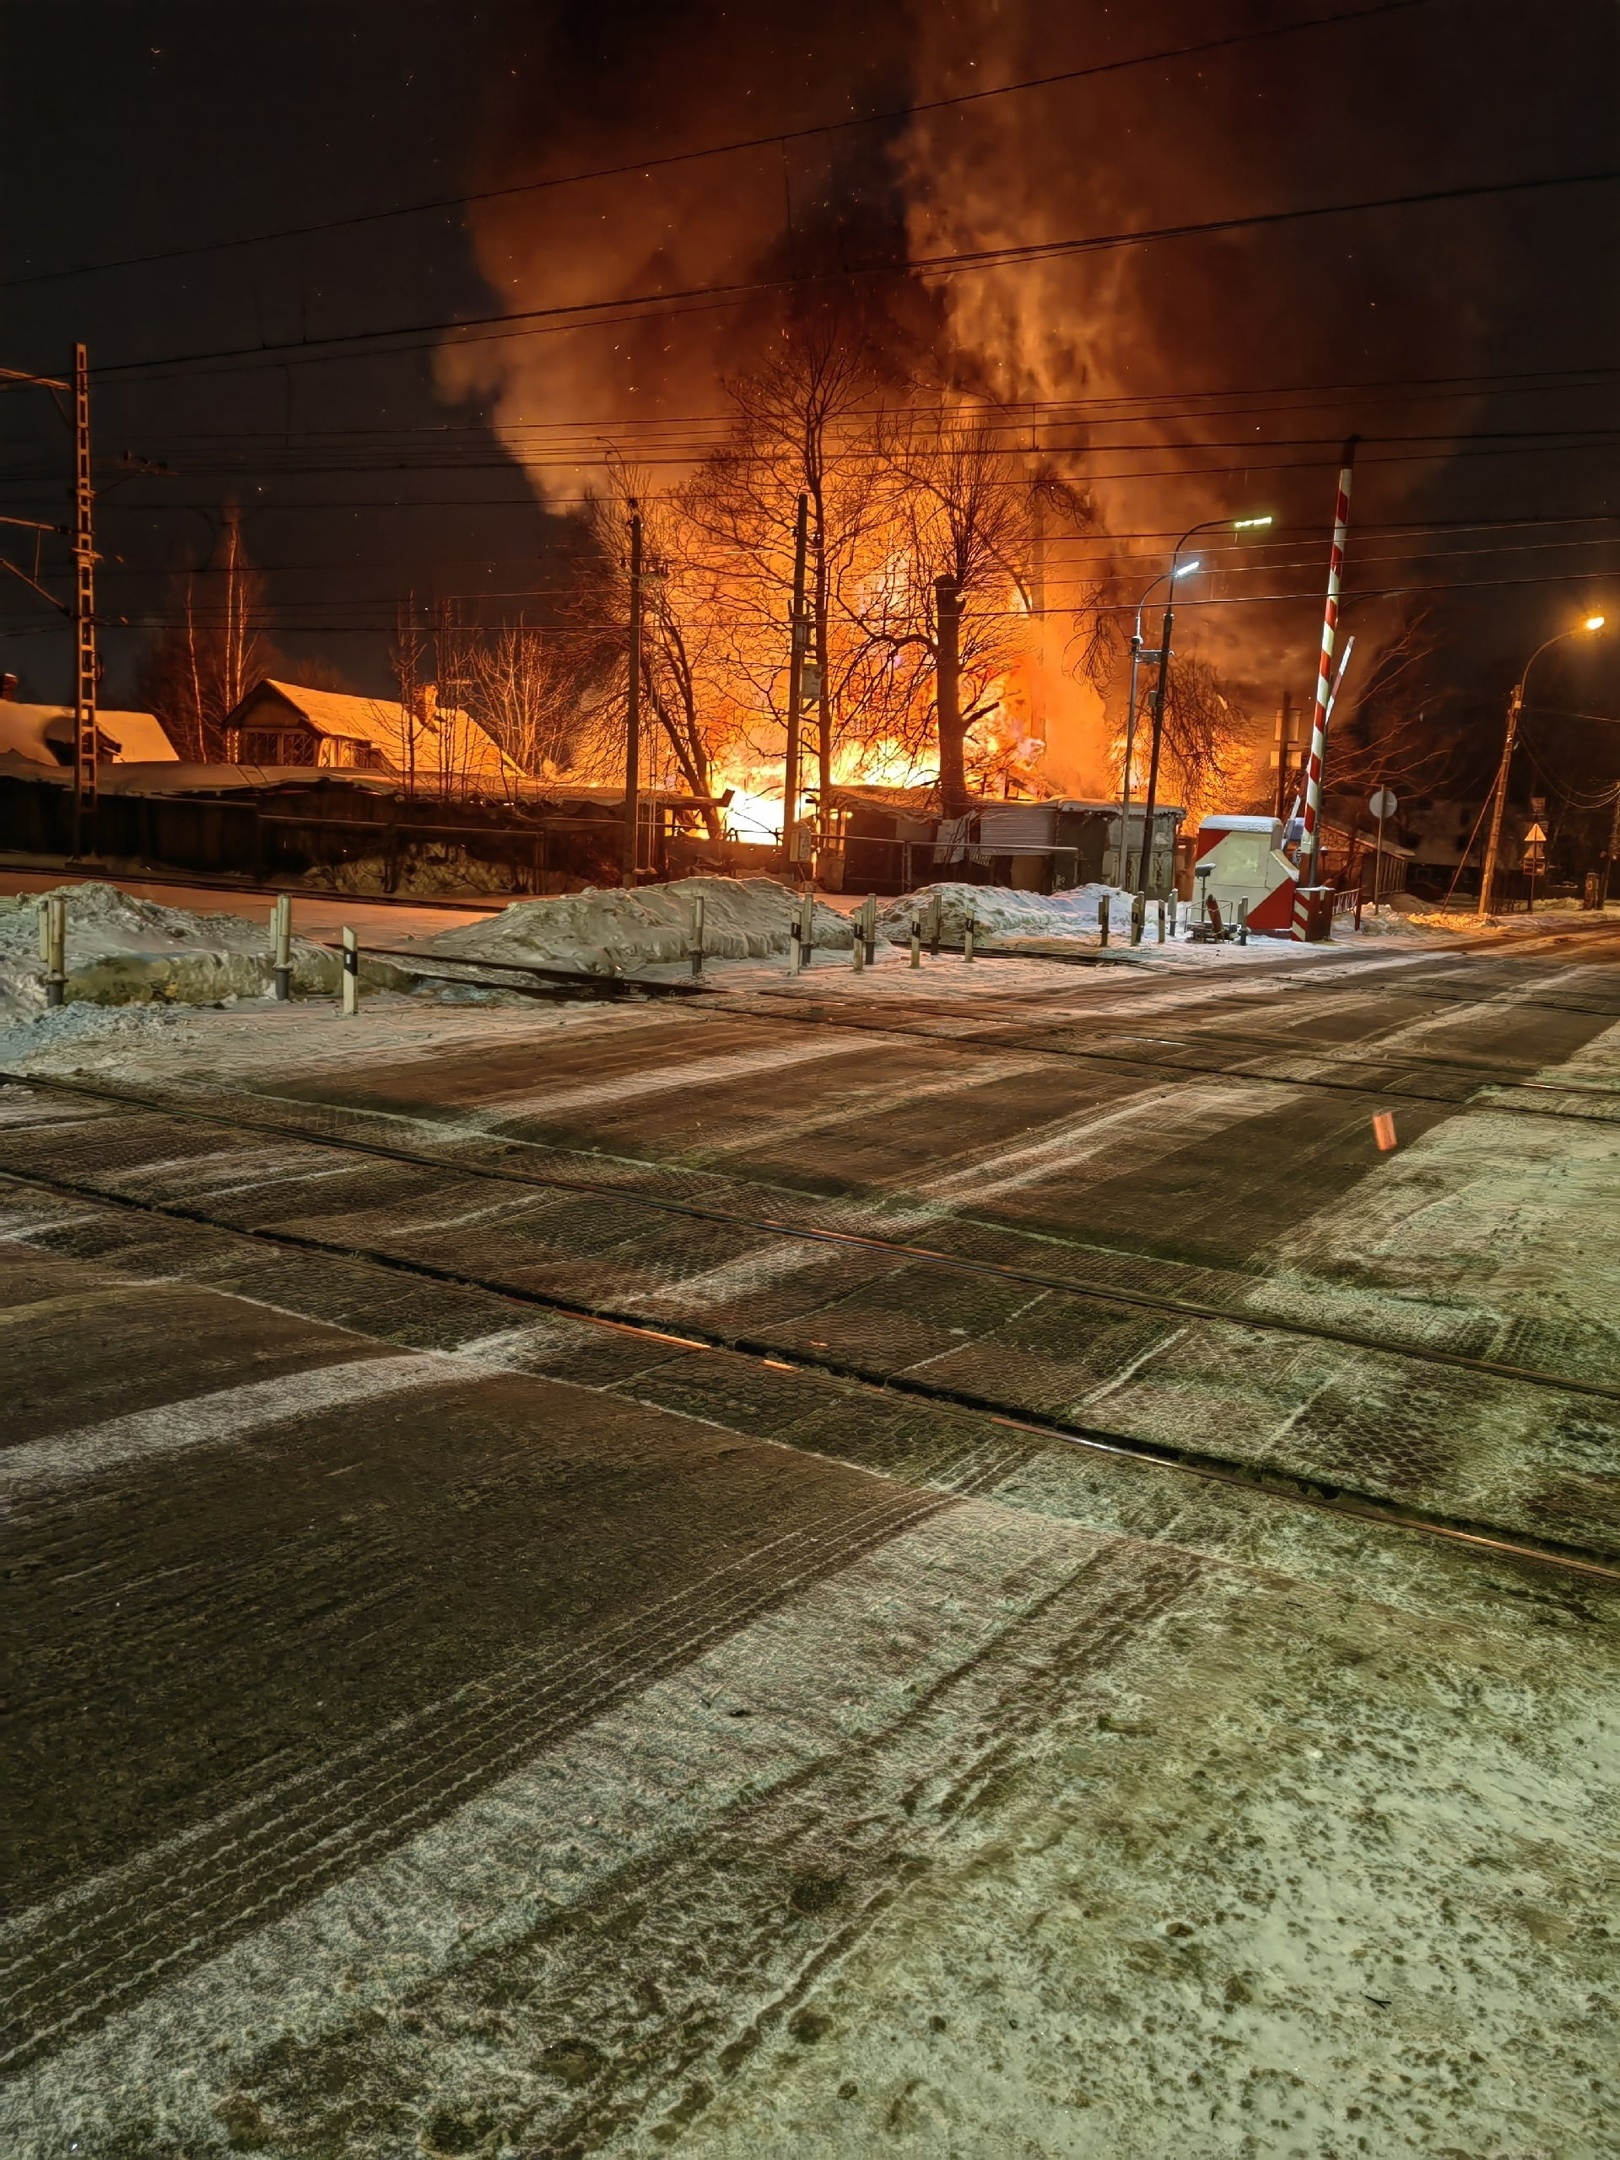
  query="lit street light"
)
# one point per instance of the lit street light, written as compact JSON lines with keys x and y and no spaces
{"x":1487,"y":877}
{"x":1149,"y":801}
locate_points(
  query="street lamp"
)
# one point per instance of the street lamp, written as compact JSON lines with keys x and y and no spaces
{"x":1243,"y":524}
{"x":1123,"y":866}
{"x":1487,"y":876}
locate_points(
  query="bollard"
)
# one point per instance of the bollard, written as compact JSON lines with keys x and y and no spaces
{"x":1161,"y":922}
{"x":281,"y":931}
{"x":967,"y":939}
{"x":916,"y":942}
{"x":857,"y":951}
{"x":1243,"y":922}
{"x":1102,"y":921}
{"x":807,"y":927}
{"x":869,"y":926}
{"x":1138,"y":917}
{"x":351,"y":974}
{"x":697,"y":937}
{"x":935,"y":924}
{"x":793,"y":954}
{"x":53,"y":946}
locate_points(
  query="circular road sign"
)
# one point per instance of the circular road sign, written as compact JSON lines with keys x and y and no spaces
{"x":1382,"y":803}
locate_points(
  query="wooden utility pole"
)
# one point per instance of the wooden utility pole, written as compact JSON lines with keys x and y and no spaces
{"x":948,"y":697}
{"x":84,"y":615}
{"x":632,"y":746}
{"x":790,"y":778}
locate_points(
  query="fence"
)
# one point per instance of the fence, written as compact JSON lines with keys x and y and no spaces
{"x":277,"y":838}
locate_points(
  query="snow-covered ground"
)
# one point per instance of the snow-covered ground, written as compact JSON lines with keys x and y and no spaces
{"x":122,"y":951}
{"x":611,"y":932}
{"x":127,"y":949}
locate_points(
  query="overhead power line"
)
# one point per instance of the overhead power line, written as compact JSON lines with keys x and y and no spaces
{"x":888,"y":116}
{"x":961,"y":262}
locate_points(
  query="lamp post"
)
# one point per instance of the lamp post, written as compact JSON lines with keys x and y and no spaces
{"x":1123,"y":866}
{"x":1487,"y":876}
{"x":1149,"y":802}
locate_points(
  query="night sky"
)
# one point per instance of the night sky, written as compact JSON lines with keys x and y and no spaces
{"x":1471,"y":342}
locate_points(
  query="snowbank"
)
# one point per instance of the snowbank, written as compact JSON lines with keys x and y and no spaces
{"x":124,"y":951}
{"x":612,"y":932}
{"x":1004,"y":913}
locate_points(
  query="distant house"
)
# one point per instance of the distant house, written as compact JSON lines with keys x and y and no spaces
{"x":443,"y":749}
{"x":44,"y":734}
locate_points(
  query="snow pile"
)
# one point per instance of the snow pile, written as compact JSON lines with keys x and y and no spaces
{"x":1000,"y":912}
{"x":612,"y":932}
{"x":124,"y":951}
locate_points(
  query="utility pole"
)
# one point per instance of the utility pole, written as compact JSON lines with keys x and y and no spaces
{"x":948,"y":696}
{"x":84,"y":615}
{"x":1493,"y":841}
{"x":632,"y":745}
{"x":790,"y":794}
{"x":1144,"y":874}
{"x":82,"y":608}
{"x":1487,"y":875}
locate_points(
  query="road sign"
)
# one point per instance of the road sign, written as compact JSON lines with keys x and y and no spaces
{"x":1382,"y":803}
{"x":1535,"y":837}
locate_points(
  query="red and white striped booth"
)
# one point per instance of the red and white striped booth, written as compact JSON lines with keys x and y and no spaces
{"x":1245,"y":861}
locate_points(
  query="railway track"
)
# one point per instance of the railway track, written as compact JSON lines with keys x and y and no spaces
{"x":1284,"y":1487}
{"x":239,"y":1119}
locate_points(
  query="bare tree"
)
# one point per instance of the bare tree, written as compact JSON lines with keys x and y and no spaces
{"x":1207,"y":733}
{"x":203,"y":665}
{"x":519,"y":691}
{"x":964,"y":511}
{"x":803,"y":426}
{"x":683,"y":628}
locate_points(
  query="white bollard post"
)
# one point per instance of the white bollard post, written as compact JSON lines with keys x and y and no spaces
{"x":697,"y":937}
{"x":1138,"y":917}
{"x":1243,"y":922}
{"x":857,"y":951}
{"x":53,"y":946}
{"x":1102,"y":922}
{"x":807,"y":927}
{"x":916,"y":942}
{"x":351,"y":974}
{"x":869,"y":926}
{"x":967,"y":939}
{"x":1161,"y":921}
{"x":281,"y":929}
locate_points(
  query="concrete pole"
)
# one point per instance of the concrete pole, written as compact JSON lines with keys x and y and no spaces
{"x":632,"y":742}
{"x":86,"y":739}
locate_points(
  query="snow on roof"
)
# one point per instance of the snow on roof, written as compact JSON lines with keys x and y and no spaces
{"x":30,"y":731}
{"x":444,"y":741}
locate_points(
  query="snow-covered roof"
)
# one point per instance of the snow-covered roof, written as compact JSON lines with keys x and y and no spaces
{"x":39,"y":731}
{"x":443,"y":741}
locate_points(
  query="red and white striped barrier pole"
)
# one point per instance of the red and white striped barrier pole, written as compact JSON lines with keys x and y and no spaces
{"x":1310,"y":842}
